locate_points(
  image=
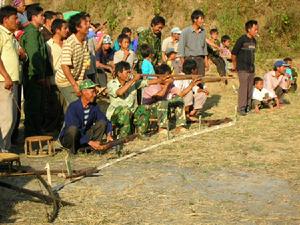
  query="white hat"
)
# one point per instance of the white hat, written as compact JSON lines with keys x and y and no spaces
{"x":176,"y":30}
{"x":107,"y":40}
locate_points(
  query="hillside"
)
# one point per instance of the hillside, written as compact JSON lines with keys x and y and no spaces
{"x":279,"y":20}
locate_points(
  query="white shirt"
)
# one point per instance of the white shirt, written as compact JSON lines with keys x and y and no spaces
{"x":259,"y":95}
{"x":54,"y":52}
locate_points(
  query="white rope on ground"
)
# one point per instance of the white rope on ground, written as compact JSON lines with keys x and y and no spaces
{"x":131,"y":155}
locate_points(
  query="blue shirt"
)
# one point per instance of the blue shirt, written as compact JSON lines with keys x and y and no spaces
{"x":147,"y":67}
{"x":76,"y":116}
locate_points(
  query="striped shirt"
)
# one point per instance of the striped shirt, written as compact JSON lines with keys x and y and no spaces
{"x":76,"y":55}
{"x":86,"y":113}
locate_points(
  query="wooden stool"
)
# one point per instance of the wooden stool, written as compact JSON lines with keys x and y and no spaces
{"x":29,"y":141}
{"x":10,"y":158}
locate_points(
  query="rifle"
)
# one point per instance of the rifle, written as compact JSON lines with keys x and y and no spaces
{"x":190,"y":77}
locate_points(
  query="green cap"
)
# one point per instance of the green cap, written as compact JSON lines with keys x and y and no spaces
{"x":86,"y":84}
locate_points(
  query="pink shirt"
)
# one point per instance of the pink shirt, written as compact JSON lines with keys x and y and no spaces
{"x":149,"y":92}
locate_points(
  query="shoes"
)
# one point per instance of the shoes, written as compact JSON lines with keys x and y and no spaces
{"x":242,"y":113}
{"x":4,"y":151}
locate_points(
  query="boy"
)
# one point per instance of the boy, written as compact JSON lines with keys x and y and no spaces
{"x":36,"y":71}
{"x":74,"y":59}
{"x":195,"y":98}
{"x":172,"y":62}
{"x":123,"y":108}
{"x":243,"y":61}
{"x":104,"y":57}
{"x":292,"y":72}
{"x":262,"y":97}
{"x":213,"y":48}
{"x":125,"y":54}
{"x":117,"y":46}
{"x":225,"y":52}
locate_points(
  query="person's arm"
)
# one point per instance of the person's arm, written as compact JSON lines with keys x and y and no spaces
{"x":99,"y":44}
{"x":235,"y":51}
{"x":67,"y":72}
{"x":211,"y":43}
{"x":165,"y":88}
{"x":181,"y":47}
{"x":122,"y":90}
{"x":185,"y":91}
{"x":8,"y":84}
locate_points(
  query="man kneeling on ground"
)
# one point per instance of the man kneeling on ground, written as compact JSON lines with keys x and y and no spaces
{"x":274,"y":80}
{"x":85,"y":124}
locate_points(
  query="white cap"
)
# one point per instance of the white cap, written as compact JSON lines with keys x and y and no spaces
{"x":107,"y":40}
{"x":175,"y":30}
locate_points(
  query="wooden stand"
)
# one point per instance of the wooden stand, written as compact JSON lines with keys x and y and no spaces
{"x":39,"y":140}
{"x":10,"y":158}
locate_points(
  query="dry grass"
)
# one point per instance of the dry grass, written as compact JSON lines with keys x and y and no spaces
{"x":245,"y":174}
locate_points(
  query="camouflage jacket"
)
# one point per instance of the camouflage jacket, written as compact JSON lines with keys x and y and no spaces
{"x":154,"y":41}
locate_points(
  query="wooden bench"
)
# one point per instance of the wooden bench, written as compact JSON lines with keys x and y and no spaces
{"x":10,"y":159}
{"x":39,"y":141}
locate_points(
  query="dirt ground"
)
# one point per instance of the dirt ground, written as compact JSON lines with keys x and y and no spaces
{"x":244,"y":174}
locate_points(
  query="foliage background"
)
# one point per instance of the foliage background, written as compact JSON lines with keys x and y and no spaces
{"x":279,"y":20}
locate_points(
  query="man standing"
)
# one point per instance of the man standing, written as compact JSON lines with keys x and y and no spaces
{"x":36,"y":71}
{"x":46,"y":28}
{"x":152,"y":37}
{"x":243,"y":59}
{"x":60,"y":32}
{"x":75,"y":59}
{"x":9,"y":74}
{"x":192,"y":43}
{"x":170,"y":42}
{"x":85,"y":124}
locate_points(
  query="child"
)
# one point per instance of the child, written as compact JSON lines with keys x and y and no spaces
{"x":225,"y":52}
{"x":213,"y":48}
{"x":292,"y":73}
{"x":117,"y":46}
{"x":172,"y":62}
{"x":195,"y":98}
{"x":125,"y":54}
{"x":262,"y":97}
{"x":148,"y":69}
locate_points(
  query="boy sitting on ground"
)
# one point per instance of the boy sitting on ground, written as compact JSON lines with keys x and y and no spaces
{"x":195,"y":98}
{"x":85,"y":124}
{"x":262,"y":97}
{"x":125,"y":54}
{"x":123,"y":108}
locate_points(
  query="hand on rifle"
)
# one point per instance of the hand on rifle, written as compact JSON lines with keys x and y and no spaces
{"x":136,"y":77}
{"x":196,"y":81}
{"x":96,"y":145}
{"x":109,"y":138}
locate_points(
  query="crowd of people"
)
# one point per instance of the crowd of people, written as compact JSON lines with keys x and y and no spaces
{"x":63,"y":65}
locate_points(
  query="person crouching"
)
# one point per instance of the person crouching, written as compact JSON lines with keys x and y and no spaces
{"x":85,"y":125}
{"x":261,"y":97}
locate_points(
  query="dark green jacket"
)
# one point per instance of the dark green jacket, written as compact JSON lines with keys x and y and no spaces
{"x":37,"y":66}
{"x":154,"y":41}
